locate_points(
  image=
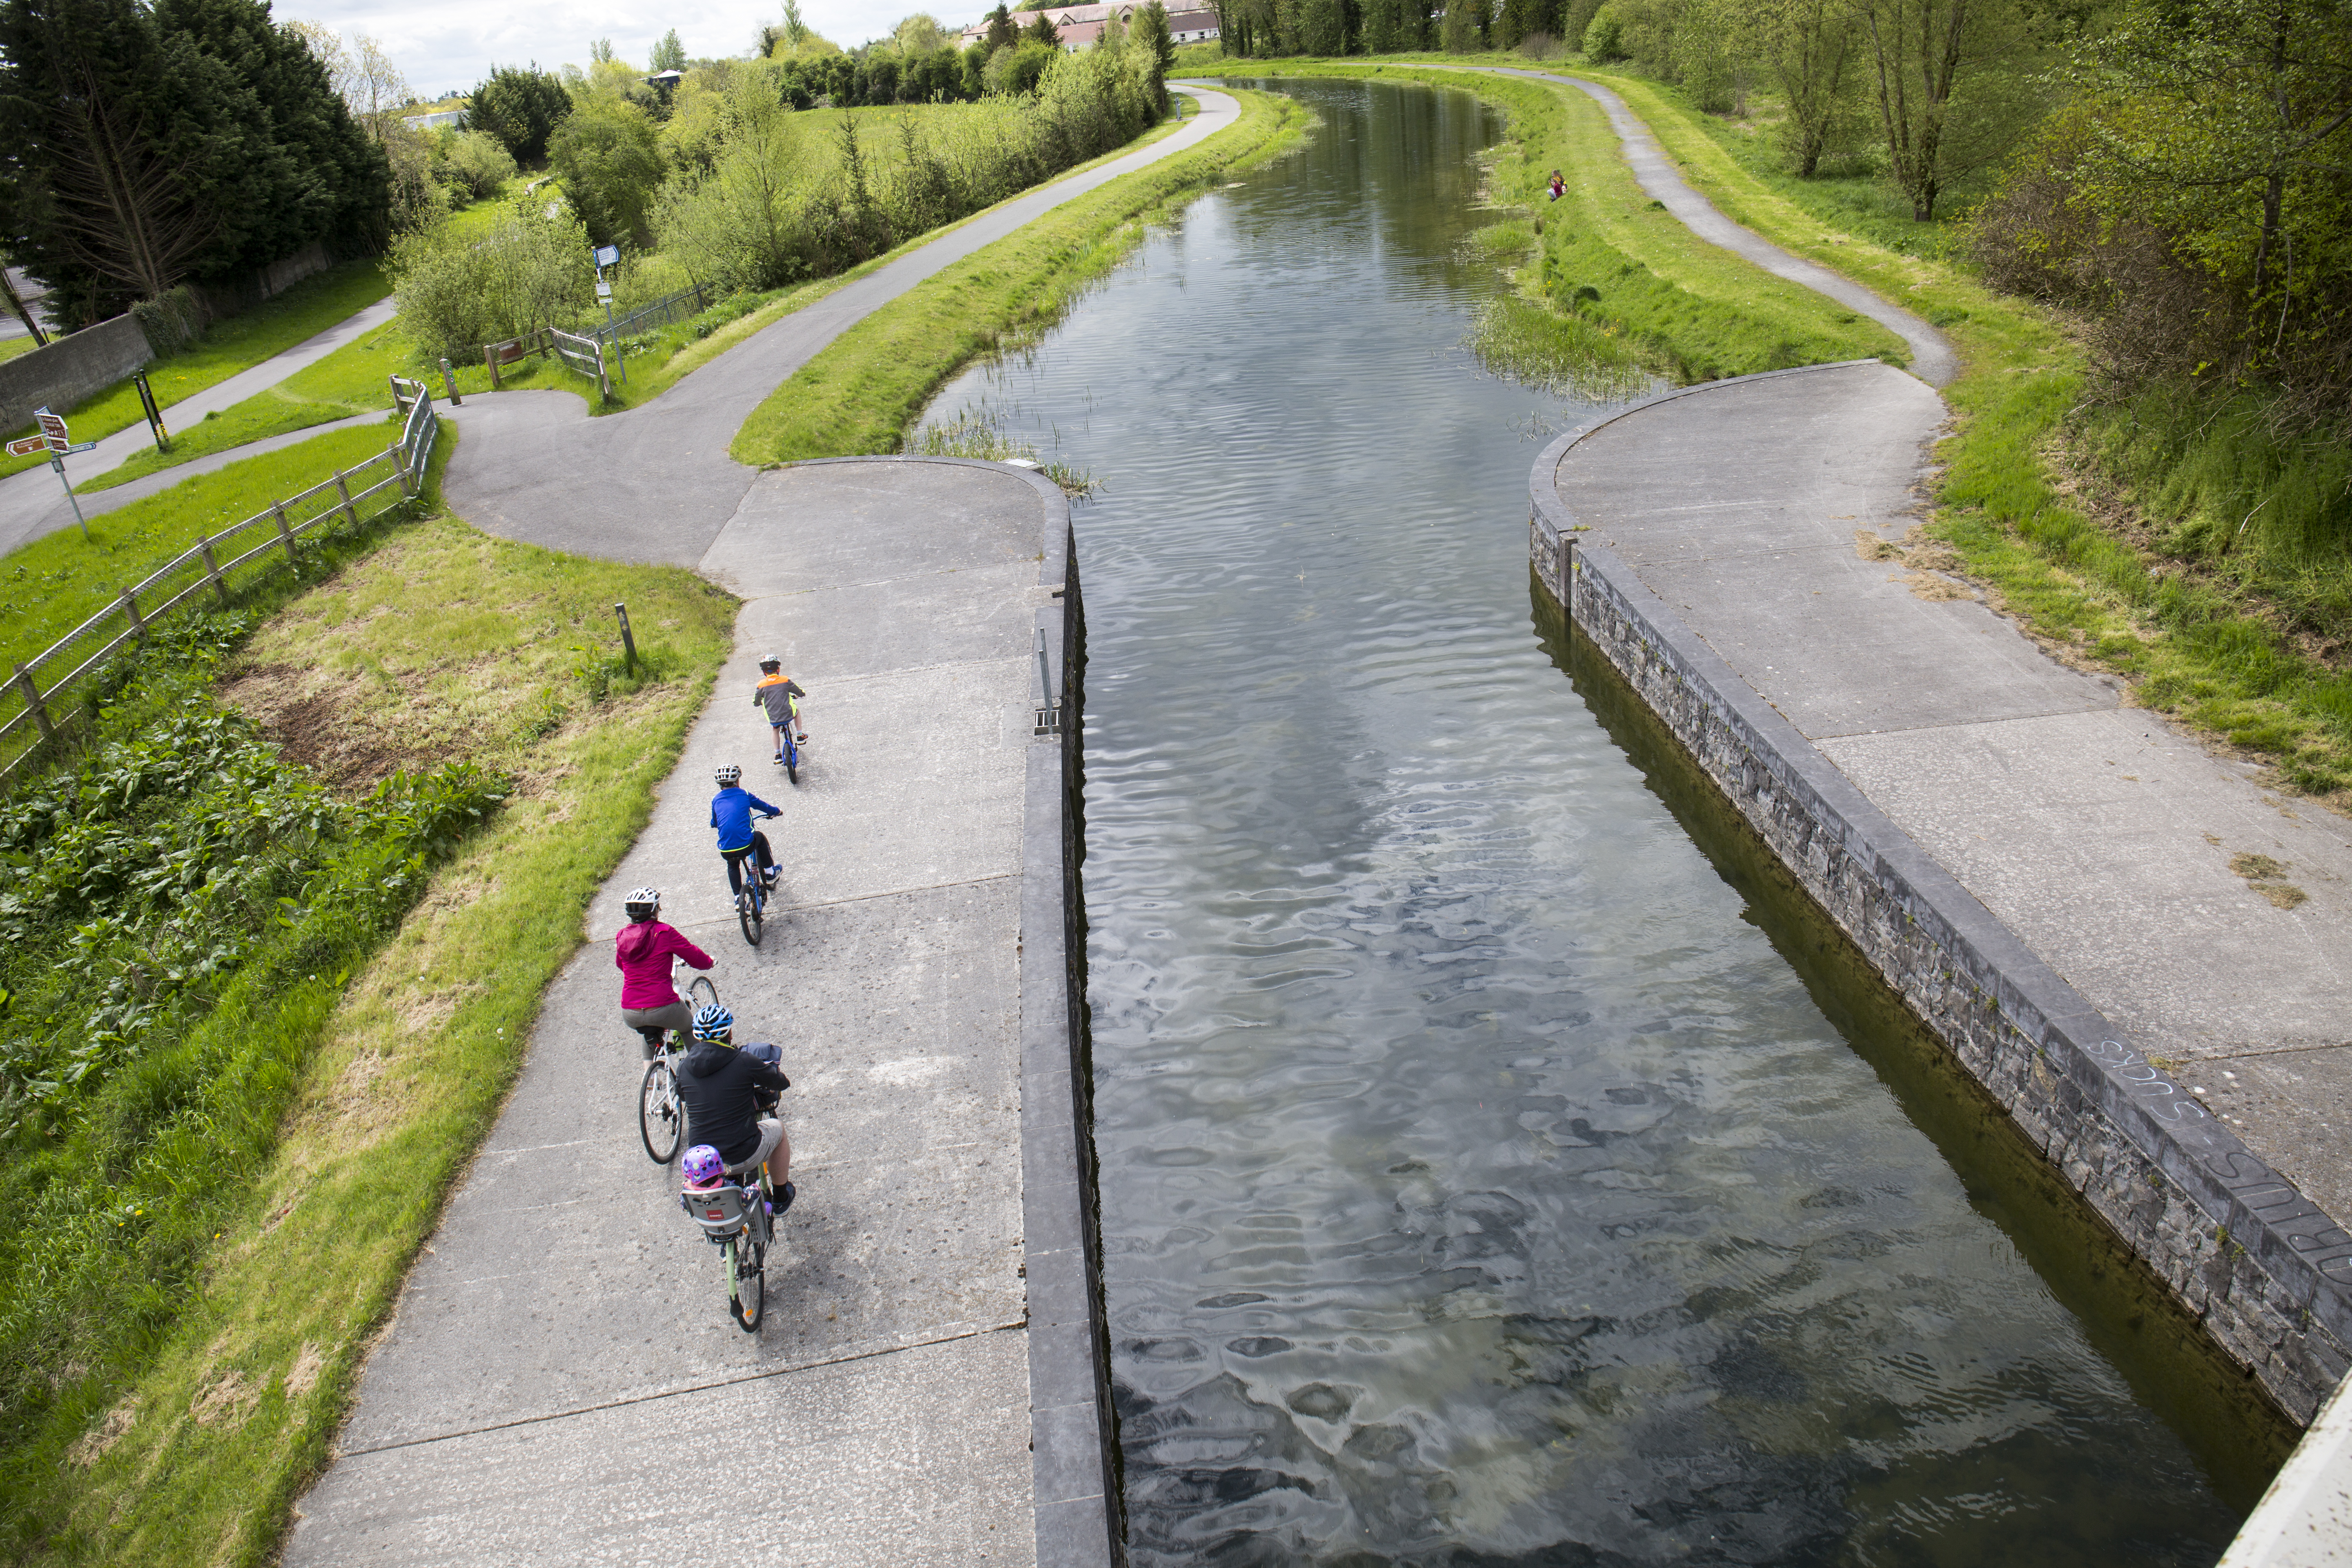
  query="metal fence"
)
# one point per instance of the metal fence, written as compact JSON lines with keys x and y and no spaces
{"x":681,"y":306}
{"x":585,"y":355}
{"x":42,"y":699}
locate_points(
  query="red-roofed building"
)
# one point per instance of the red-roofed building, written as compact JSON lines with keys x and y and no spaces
{"x":1081,"y":26}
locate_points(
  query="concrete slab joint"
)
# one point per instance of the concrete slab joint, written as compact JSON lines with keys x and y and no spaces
{"x":2265,"y":1268}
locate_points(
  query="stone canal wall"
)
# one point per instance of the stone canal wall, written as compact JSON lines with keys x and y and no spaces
{"x":2266,"y":1272}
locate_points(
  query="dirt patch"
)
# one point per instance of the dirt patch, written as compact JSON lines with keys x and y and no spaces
{"x":228,"y":1398}
{"x":1871,"y":546}
{"x":303,"y":1376}
{"x":344,"y":732}
{"x":92,"y":1445}
{"x":1931,"y":587}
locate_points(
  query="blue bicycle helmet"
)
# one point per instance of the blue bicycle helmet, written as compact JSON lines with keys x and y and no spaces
{"x":702,"y":1167}
{"x":713,"y":1022}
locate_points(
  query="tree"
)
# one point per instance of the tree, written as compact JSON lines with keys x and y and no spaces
{"x":1944,"y":100}
{"x":608,"y":158}
{"x":1465,"y":24}
{"x":919,"y":34}
{"x":1043,"y":31}
{"x":520,"y":107}
{"x":669,"y":55}
{"x":1810,"y":47}
{"x":1321,"y":27}
{"x":1151,"y":32}
{"x":1002,"y":33}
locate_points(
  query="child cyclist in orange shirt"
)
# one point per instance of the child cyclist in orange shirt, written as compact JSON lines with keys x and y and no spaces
{"x":777,"y":693}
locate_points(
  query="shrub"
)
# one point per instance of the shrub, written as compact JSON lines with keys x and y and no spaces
{"x":1605,"y":37}
{"x":457,"y":291}
{"x":477,"y":163}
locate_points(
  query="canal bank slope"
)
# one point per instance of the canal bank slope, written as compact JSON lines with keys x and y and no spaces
{"x":562,"y":1381}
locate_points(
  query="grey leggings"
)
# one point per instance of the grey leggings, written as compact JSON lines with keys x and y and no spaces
{"x":677,"y":1015}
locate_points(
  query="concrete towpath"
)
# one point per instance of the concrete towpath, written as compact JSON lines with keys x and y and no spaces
{"x":32,"y":504}
{"x":563,"y":1383}
{"x":655,"y":483}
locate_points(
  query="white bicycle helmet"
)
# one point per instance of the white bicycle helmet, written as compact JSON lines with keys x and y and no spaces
{"x":643,"y":904}
{"x":728,"y":776}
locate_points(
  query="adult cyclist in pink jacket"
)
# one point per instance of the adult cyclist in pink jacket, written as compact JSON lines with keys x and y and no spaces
{"x":641,"y":952}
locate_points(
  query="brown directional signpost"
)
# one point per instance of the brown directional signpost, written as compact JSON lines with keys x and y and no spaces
{"x":54,"y":440}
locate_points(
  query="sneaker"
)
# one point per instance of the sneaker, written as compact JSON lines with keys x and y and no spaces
{"x":783,"y":1200}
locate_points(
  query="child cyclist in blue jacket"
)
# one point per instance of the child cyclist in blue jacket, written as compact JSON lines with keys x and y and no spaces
{"x":730,"y":814}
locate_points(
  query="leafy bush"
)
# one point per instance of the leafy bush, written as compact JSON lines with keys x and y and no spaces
{"x":476,"y":163}
{"x":609,"y":160}
{"x":459,"y":291}
{"x":1605,"y":37}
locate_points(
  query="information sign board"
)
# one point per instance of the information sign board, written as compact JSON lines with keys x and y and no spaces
{"x":29,"y":446}
{"x":608,"y":256}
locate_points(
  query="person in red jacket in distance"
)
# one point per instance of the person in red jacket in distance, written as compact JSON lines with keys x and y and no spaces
{"x":642,"y":951}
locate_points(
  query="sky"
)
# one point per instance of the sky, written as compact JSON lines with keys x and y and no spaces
{"x":441,"y":45}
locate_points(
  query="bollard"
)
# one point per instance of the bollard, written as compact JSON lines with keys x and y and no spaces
{"x":449,"y":379}
{"x":628,"y":639}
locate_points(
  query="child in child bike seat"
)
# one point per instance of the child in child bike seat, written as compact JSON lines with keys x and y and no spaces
{"x":641,"y":952}
{"x":730,"y":814}
{"x":776,"y":692}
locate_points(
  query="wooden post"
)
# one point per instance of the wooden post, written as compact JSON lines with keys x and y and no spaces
{"x":212,"y":570}
{"x":277,"y":510}
{"x":399,"y":402}
{"x":130,"y":608}
{"x":32,"y":690}
{"x":628,"y":639}
{"x":490,"y":358}
{"x":350,"y":512}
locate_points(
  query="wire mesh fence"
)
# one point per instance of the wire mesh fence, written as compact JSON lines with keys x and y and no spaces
{"x":42,"y":699}
{"x":681,"y":306}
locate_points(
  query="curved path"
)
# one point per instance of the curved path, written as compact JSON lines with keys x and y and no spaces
{"x":655,"y":483}
{"x":2084,"y":858}
{"x":32,"y":504}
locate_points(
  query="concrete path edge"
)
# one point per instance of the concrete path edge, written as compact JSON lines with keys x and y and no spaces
{"x":2256,"y":1213}
{"x":1078,"y":1508}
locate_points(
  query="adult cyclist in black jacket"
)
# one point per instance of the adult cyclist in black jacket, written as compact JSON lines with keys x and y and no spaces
{"x":730,"y":1101}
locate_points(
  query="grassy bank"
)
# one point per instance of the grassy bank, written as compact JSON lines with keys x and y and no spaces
{"x":859,"y":396}
{"x":1617,"y":260}
{"x":233,"y":344}
{"x":2062,"y":552}
{"x":57,"y":581}
{"x":183,"y":1429}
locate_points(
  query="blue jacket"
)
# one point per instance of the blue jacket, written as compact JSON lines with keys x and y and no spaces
{"x":731,"y":813}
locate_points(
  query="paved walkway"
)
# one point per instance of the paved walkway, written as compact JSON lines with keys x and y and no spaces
{"x":32,"y":504}
{"x":655,"y":483}
{"x":564,"y":1346}
{"x":923,"y":1391}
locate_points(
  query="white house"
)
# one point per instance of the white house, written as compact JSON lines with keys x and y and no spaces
{"x":1079,"y":25}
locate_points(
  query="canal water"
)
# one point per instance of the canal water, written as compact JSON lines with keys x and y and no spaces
{"x":1481,"y":1184}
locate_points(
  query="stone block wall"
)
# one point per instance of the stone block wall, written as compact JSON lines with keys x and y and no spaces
{"x":2267,"y":1274}
{"x":70,"y":369}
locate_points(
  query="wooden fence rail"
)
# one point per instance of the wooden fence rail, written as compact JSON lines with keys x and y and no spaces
{"x":35,"y":704}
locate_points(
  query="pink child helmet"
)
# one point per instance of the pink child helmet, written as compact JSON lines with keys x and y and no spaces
{"x":702,"y":1167}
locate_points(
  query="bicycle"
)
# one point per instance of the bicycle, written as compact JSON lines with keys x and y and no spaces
{"x":661,"y":1114}
{"x":789,"y":753}
{"x":751,"y":892}
{"x":735,"y":1218}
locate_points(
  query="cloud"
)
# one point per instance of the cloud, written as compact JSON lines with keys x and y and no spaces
{"x":446,"y":45}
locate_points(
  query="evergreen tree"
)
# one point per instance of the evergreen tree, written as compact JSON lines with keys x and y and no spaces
{"x":669,"y":55}
{"x":520,"y":107}
{"x":1152,"y":33}
{"x":1002,"y":33}
{"x":1043,"y":31}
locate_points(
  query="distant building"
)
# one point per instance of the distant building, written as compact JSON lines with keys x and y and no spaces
{"x":437,"y":120}
{"x":1081,"y":26}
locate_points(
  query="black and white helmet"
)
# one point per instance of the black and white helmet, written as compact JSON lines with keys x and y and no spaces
{"x":643,"y":903}
{"x":728,"y":776}
{"x":770,"y":664}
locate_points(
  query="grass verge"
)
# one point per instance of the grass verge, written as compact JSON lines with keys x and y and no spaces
{"x":228,"y":346}
{"x":2069,"y":563}
{"x":189,"y":1439}
{"x":858,"y":396}
{"x":57,"y":581}
{"x":1620,"y":262}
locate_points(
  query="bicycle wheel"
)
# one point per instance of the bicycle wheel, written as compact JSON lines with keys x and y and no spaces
{"x":747,"y":1281}
{"x":747,"y":909}
{"x":661,"y":1118}
{"x":702,"y":995}
{"x":791,"y":760}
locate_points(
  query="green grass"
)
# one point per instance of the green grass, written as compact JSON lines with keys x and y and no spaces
{"x":10,"y":347}
{"x":1620,"y":260}
{"x":2194,"y":645}
{"x":860,"y":394}
{"x":230,"y":346}
{"x":187,"y":1437}
{"x":54,"y":584}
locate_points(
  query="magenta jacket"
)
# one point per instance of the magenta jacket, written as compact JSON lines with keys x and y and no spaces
{"x":642,"y":953}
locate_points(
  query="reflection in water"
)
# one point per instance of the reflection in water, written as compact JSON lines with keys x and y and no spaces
{"x":1478,"y":1185}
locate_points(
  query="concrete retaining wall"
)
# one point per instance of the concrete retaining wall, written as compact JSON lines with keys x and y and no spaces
{"x":2262,"y":1269}
{"x":1073,"y":1465}
{"x":70,"y":369}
